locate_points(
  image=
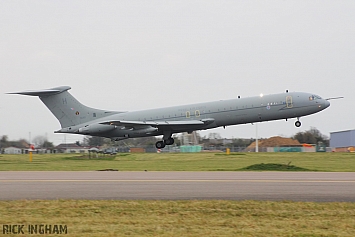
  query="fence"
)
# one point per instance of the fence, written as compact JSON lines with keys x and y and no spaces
{"x":153,"y":149}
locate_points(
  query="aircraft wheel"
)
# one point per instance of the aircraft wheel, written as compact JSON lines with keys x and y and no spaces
{"x":169,"y":141}
{"x":160,"y":144}
{"x":298,"y":124}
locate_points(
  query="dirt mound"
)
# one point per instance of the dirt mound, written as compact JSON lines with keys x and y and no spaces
{"x":276,"y":142}
{"x":274,"y":167}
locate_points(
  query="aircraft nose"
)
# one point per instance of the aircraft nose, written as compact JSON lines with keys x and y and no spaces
{"x":326,"y":103}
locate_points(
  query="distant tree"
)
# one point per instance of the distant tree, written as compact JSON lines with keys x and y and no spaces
{"x":213,"y":139}
{"x":214,"y":136}
{"x":42,"y":142}
{"x":4,"y":138}
{"x":311,"y":136}
{"x":38,"y":141}
{"x":137,"y":142}
{"x":23,"y":142}
{"x":239,"y":142}
{"x":4,"y":141}
{"x":48,"y":144}
{"x":146,"y":141}
{"x":85,"y":141}
{"x":177,"y":140}
{"x":93,"y":141}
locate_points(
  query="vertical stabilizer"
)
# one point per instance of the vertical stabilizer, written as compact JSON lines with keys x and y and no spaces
{"x":68,"y":110}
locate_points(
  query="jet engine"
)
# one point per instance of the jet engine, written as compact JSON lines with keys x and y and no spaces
{"x":96,"y":128}
{"x":145,"y":130}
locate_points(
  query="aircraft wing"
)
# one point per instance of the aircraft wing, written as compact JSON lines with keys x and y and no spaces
{"x":163,"y":125}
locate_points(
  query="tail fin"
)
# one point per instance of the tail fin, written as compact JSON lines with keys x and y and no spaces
{"x":65,"y":107}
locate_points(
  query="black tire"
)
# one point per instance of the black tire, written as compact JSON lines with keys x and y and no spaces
{"x":298,"y":124}
{"x":160,"y":144}
{"x":169,"y":141}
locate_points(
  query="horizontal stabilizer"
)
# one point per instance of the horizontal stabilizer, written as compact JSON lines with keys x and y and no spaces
{"x":45,"y":92}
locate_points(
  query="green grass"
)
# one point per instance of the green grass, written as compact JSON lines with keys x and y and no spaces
{"x":184,"y":218}
{"x":179,"y":161}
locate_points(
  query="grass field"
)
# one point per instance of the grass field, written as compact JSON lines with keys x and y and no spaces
{"x":184,"y":218}
{"x":182,"y":162}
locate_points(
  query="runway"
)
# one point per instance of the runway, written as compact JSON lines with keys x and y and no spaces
{"x":117,"y":185}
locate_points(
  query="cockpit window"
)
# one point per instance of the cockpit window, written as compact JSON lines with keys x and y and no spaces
{"x":314,"y":97}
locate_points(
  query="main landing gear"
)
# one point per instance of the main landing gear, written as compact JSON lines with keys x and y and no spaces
{"x":167,"y":140}
{"x":162,"y":144}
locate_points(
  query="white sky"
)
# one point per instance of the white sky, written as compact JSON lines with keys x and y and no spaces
{"x":132,"y":55}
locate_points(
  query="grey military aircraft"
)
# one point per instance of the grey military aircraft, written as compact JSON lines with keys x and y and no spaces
{"x":77,"y":118}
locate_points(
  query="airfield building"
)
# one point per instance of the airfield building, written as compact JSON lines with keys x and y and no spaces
{"x":13,"y":150}
{"x":343,"y":141}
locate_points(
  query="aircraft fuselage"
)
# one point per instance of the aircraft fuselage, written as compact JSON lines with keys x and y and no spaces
{"x":220,"y":113}
{"x":77,"y":118}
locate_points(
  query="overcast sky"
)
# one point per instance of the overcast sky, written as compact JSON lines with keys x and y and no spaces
{"x":132,"y":55}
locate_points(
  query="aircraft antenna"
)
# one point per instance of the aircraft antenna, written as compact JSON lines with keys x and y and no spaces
{"x":335,"y":98}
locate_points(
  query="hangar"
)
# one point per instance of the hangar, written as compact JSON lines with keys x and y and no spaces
{"x":343,"y":141}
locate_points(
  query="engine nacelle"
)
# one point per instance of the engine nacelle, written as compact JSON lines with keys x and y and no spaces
{"x":96,"y":128}
{"x":144,"y":131}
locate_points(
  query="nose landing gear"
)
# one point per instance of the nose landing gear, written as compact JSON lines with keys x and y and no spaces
{"x":298,"y":123}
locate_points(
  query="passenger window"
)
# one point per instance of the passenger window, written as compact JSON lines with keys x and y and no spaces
{"x":197,"y":113}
